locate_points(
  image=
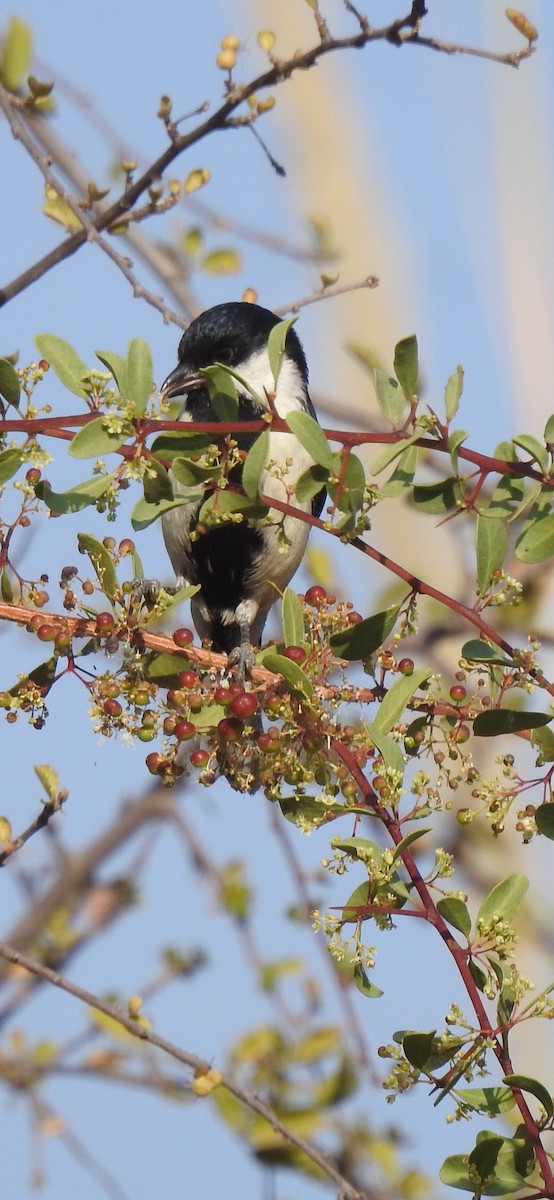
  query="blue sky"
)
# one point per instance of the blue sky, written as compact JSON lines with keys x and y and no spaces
{"x":443,"y":170}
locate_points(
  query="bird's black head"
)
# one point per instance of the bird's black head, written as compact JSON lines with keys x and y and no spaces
{"x":234,"y":334}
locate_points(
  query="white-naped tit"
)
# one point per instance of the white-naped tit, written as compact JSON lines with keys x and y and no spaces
{"x":241,"y":568}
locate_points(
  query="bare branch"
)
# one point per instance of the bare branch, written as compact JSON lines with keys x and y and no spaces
{"x":328,"y":293}
{"x":40,"y":822}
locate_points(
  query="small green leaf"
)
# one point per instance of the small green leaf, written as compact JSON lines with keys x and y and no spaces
{"x":505,"y":899}
{"x":490,"y":1100}
{"x":418,"y":1048}
{"x":156,"y":483}
{"x":454,"y":911}
{"x":391,"y":452}
{"x":293,"y":618}
{"x":222,"y":262}
{"x":49,"y":780}
{"x":348,"y":495}
{"x":139,"y":374}
{"x":544,"y":819}
{"x":311,"y":437}
{"x":406,"y":841}
{"x":455,"y":1173}
{"x":65,"y":362}
{"x":293,"y":675}
{"x":358,"y":642}
{"x":6,"y":589}
{"x":403,"y":474}
{"x":10,"y":387}
{"x":389,"y":750}
{"x":311,"y":482}
{"x":538,"y":1090}
{"x":191,"y":473}
{"x":144,"y":514}
{"x":455,"y":441}
{"x":406,"y":366}
{"x":507,"y":496}
{"x":255,"y":465}
{"x":164,"y":668}
{"x":390,"y":398}
{"x":396,"y":699}
{"x":101,"y":562}
{"x":492,"y":545}
{"x":507,"y":720}
{"x":276,"y":346}
{"x":223,"y":392}
{"x":452,"y":393}
{"x":364,"y":985}
{"x":549,"y":431}
{"x":230,"y":502}
{"x":536,"y":543}
{"x":83,"y":495}
{"x":10,"y":462}
{"x":440,"y":497}
{"x":544,"y":740}
{"x":172,"y":445}
{"x":94,"y":440}
{"x":117,"y":366}
{"x":17,"y":50}
{"x":535,"y":449}
{"x":477,"y":651}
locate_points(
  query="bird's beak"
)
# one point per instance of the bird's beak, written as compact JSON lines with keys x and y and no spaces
{"x":181,"y":380}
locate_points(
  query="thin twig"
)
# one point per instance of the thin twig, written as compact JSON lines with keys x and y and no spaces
{"x":197,"y":1065}
{"x":47,"y":812}
{"x":328,"y":293}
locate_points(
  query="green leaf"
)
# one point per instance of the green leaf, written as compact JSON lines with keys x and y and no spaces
{"x":406,"y":366}
{"x":223,"y":392}
{"x":538,"y":1090}
{"x":452,"y":393}
{"x":403,"y":474}
{"x":477,"y":651}
{"x":292,"y":615}
{"x":391,"y":452}
{"x":94,"y":440}
{"x":172,"y":445}
{"x":389,"y":750}
{"x":48,"y":777}
{"x":10,"y":462}
{"x":17,"y":50}
{"x":390,"y":397}
{"x":222,"y":262}
{"x":164,"y":668}
{"x":276,"y":346}
{"x":454,"y":911}
{"x":311,"y":437}
{"x":230,"y":502}
{"x":418,"y":1048}
{"x":358,"y":642}
{"x":83,"y":495}
{"x":65,"y":362}
{"x":396,"y":699}
{"x":549,"y":431}
{"x":490,"y":1100}
{"x":544,"y":818}
{"x":406,"y":841}
{"x":507,"y":720}
{"x":349,"y":494}
{"x":117,"y":366}
{"x":455,"y":440}
{"x":139,"y":374}
{"x":507,"y":496}
{"x":255,"y":465}
{"x":364,"y":985}
{"x":535,"y":449}
{"x":504,"y":900}
{"x":191,"y":473}
{"x":6,"y":589}
{"x":311,"y":482}
{"x":544,"y":739}
{"x":293,"y":675}
{"x":101,"y":562}
{"x":144,"y":514}
{"x":536,"y":543}
{"x":455,"y":1173}
{"x":156,"y":483}
{"x":440,"y":497}
{"x":492,"y":545}
{"x":9,"y":383}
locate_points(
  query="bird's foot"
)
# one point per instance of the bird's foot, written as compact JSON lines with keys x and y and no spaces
{"x":242,"y":658}
{"x":148,"y":590}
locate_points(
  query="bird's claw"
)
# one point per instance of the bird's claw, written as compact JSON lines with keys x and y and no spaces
{"x":242,"y":658}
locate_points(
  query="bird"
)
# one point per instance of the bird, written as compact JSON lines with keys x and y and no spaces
{"x":241,"y":568}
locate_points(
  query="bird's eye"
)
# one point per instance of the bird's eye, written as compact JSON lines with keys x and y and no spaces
{"x":225,"y":355}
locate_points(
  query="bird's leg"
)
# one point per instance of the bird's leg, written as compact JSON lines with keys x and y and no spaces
{"x":242,"y":657}
{"x":148,"y":590}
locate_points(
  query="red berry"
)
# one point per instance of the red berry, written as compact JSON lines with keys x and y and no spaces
{"x":183,"y":637}
{"x":104,"y":621}
{"x":33,"y":475}
{"x":184,"y":730}
{"x":244,"y":705}
{"x":236,"y":688}
{"x":200,"y":758}
{"x":296,"y":653}
{"x":230,"y":729}
{"x":169,"y":725}
{"x":354,"y":618}
{"x":222,"y":695}
{"x":316,"y":596}
{"x":406,"y":666}
{"x":156,"y":763}
{"x":112,"y":708}
{"x":47,"y":633}
{"x":126,"y":547}
{"x":176,"y":697}
{"x":458,"y":693}
{"x":188,"y":679}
